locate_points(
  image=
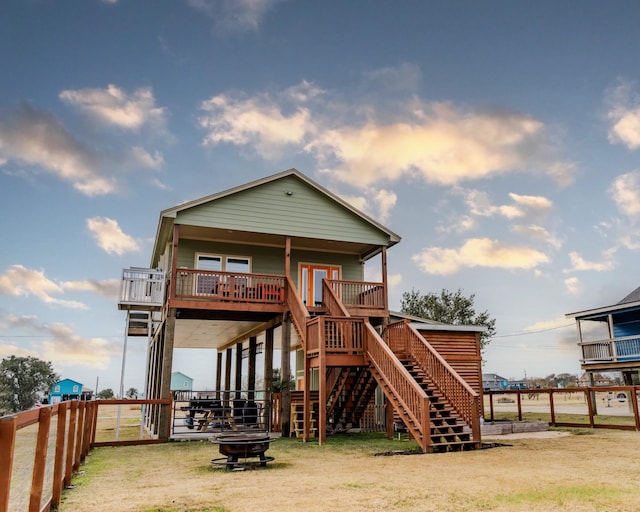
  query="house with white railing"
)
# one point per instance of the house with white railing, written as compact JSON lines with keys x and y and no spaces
{"x":275,"y":267}
{"x":609,"y":339}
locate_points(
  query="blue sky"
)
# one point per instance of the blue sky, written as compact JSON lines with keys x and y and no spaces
{"x":499,"y":139}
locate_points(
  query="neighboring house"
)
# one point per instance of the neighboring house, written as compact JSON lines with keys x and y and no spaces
{"x":278,"y":263}
{"x":493,"y":382}
{"x":181,"y":382}
{"x":68,"y":389}
{"x":609,"y":339}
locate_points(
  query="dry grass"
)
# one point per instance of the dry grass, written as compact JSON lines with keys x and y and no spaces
{"x":598,"y":471}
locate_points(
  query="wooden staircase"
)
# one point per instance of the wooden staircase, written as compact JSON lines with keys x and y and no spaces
{"x":349,"y":397}
{"x":440,"y":411}
{"x":448,"y":432}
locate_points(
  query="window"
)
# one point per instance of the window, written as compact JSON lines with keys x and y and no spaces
{"x":58,"y":389}
{"x":209,"y":283}
{"x":75,"y":388}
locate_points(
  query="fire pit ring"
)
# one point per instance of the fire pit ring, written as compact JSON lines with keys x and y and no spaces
{"x":240,"y":447}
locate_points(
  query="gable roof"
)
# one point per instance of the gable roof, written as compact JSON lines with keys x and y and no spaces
{"x":168,"y":216}
{"x":176,"y":374}
{"x":634,"y":296}
{"x":631,"y":301}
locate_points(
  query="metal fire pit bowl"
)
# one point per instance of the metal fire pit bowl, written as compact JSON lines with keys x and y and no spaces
{"x":240,"y":447}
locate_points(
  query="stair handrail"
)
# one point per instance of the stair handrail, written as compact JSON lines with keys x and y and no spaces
{"x":406,"y":391}
{"x":462,"y":397}
{"x":299,"y":312}
{"x":331,"y":301}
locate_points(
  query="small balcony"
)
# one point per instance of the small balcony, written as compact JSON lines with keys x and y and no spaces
{"x":142,"y":289}
{"x":616,"y":350}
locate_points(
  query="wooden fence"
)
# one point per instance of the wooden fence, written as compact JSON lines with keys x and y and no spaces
{"x":41,"y":449}
{"x":596,"y":405}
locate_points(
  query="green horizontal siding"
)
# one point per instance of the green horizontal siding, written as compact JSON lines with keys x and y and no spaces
{"x":270,"y":260}
{"x":268,"y":209}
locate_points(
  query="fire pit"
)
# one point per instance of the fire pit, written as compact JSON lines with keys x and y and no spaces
{"x":242,"y":446}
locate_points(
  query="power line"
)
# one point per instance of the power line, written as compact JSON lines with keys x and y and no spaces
{"x":525,"y":333}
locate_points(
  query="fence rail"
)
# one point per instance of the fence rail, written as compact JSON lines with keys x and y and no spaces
{"x":42,"y":448}
{"x":556,"y":409}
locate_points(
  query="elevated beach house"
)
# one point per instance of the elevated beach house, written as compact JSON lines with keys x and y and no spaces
{"x":276,"y":266}
{"x":609,"y":339}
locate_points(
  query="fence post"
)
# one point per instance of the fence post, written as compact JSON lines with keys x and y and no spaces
{"x":40,"y":462}
{"x":58,"y":475}
{"x":77,"y":455}
{"x":71,"y":440}
{"x":8,"y":426}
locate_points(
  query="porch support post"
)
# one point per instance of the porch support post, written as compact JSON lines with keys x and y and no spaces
{"x":322,"y":387}
{"x":218,"y":375}
{"x":285,"y":373}
{"x":227,"y":377}
{"x":253,"y":345}
{"x":287,"y":257}
{"x":268,"y":375}
{"x":238,"y":369}
{"x":389,"y":417}
{"x":384,"y":278}
{"x":308,"y":406}
{"x":167,"y":363}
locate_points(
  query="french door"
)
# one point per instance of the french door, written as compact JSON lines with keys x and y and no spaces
{"x":310,"y":282}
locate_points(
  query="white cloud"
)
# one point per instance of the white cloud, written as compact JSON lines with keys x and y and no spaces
{"x":257,"y":122}
{"x":110,"y":237}
{"x":478,"y":252}
{"x":537,"y":232}
{"x":62,"y":346}
{"x":480,"y":205}
{"x":362,"y":144}
{"x":458,"y":224}
{"x":578,"y":263}
{"x":624,"y":114}
{"x":34,"y":137}
{"x":572,"y":284}
{"x":109,"y":288}
{"x":19,"y":281}
{"x":625,"y":191}
{"x":550,"y":324}
{"x":68,"y":348}
{"x":140,"y":157}
{"x":7,"y":350}
{"x":377,"y":204}
{"x":234,"y":16}
{"x":113,"y":106}
{"x":439,"y":143}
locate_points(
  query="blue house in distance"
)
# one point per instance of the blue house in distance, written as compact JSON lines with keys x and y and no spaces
{"x":181,"y":382}
{"x":67,"y":389}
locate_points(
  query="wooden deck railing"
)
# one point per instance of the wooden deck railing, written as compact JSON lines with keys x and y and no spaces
{"x":404,"y":339}
{"x":42,"y":448}
{"x":611,"y":350}
{"x":398,"y":381}
{"x":360,"y":294}
{"x":340,"y":335}
{"x":142,"y":287}
{"x":212,"y":285}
